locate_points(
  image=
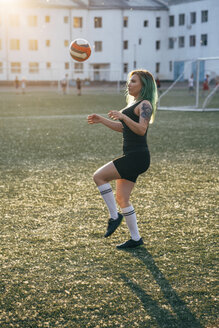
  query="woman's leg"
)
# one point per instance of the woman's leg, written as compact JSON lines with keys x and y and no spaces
{"x":123,"y":192}
{"x":106,"y":173}
{"x":102,"y":177}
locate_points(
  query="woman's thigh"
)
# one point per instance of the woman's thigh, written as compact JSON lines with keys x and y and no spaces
{"x":106,"y":173}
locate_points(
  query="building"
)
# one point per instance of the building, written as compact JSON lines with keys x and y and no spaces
{"x":162,"y":36}
{"x":192,"y":34}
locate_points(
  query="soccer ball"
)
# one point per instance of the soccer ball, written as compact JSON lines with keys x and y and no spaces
{"x":80,"y":50}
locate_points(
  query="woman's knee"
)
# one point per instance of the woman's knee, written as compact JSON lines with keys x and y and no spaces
{"x":96,"y":177}
{"x":99,"y":178}
{"x":105,"y":174}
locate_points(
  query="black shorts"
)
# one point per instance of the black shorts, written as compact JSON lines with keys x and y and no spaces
{"x":131,"y":165}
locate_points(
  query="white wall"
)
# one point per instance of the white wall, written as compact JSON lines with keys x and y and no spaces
{"x":145,"y":53}
{"x":112,"y":34}
{"x":210,"y":28}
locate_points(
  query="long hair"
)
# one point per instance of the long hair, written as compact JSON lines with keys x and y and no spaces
{"x":148,"y":90}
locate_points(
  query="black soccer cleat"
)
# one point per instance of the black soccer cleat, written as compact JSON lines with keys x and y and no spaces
{"x":113,"y":225}
{"x":130,"y":244}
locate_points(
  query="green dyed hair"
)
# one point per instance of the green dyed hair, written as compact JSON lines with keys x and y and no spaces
{"x":148,"y":90}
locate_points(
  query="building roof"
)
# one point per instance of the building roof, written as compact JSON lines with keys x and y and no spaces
{"x":50,"y":3}
{"x":96,"y":4}
{"x":102,"y":4}
{"x":127,"y":4}
{"x":177,"y":2}
{"x":63,"y":3}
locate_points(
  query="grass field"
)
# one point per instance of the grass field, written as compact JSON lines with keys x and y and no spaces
{"x":57,"y":270}
{"x":181,"y":97}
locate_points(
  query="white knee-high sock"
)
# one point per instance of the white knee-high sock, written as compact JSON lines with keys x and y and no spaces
{"x":131,"y":221}
{"x":108,"y":196}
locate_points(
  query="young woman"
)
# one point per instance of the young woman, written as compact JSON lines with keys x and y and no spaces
{"x":133,"y":122}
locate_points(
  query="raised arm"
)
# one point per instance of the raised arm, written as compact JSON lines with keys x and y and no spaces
{"x":94,"y":118}
{"x":143,"y":110}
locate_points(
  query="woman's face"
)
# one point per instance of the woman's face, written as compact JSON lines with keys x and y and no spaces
{"x":134,"y":86}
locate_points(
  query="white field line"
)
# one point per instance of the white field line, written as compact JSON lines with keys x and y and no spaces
{"x":189,"y":109}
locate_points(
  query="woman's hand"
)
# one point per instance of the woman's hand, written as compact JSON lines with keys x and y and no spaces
{"x":115,"y":115}
{"x":93,"y":118}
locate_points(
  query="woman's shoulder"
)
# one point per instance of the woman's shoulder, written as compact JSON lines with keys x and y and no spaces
{"x":143,"y":104}
{"x":144,"y":101}
{"x":133,"y":104}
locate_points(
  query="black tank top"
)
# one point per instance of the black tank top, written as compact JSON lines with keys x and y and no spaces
{"x":133,"y":142}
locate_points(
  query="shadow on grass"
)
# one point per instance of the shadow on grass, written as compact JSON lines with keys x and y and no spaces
{"x":184,"y":318}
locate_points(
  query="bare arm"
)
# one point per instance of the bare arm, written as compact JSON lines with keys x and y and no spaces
{"x":94,"y":118}
{"x":143,"y":110}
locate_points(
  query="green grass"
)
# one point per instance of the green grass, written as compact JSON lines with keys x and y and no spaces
{"x":57,"y":270}
{"x":181,"y":97}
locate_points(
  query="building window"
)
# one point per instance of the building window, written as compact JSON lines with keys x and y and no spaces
{"x":14,"y":20}
{"x":33,"y":67}
{"x":158,"y":20}
{"x":47,"y":19}
{"x":66,"y":19}
{"x":125,"y":68}
{"x":125,"y":44}
{"x":67,"y":66}
{"x":134,"y":64}
{"x":33,"y":45}
{"x":171,"y":20}
{"x":157,"y":45}
{"x":204,"y":39}
{"x":157,"y":67}
{"x":14,"y":44}
{"x":192,"y":40}
{"x":145,"y":24}
{"x":98,"y":46}
{"x":48,"y":65}
{"x":48,"y":43}
{"x":15,"y":67}
{"x":78,"y":22}
{"x":204,"y":16}
{"x":193,"y":17}
{"x":97,"y":22}
{"x":170,"y":66}
{"x":181,"y":19}
{"x":1,"y":67}
{"x":32,"y":20}
{"x":66,"y":43}
{"x":171,"y":43}
{"x":139,"y":41}
{"x":125,"y":21}
{"x":79,"y":67}
{"x":181,"y":42}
